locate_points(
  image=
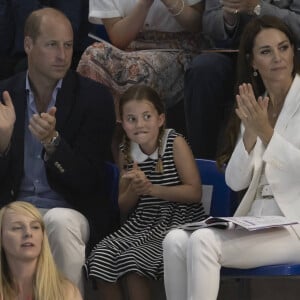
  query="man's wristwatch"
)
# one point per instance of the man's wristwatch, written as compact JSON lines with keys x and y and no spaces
{"x":54,"y":142}
{"x":257,"y":10}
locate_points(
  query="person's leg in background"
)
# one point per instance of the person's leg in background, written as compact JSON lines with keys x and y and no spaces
{"x":68,"y":233}
{"x":7,"y":32}
{"x":21,"y":10}
{"x":208,"y":89}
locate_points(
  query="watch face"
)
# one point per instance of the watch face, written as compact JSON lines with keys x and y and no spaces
{"x":257,"y":9}
{"x":56,"y":140}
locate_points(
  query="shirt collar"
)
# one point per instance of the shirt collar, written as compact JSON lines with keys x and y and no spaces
{"x":139,"y":156}
{"x":30,"y":92}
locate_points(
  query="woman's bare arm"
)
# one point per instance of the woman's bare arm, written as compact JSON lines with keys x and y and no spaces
{"x":122,"y":31}
{"x":189,"y":17}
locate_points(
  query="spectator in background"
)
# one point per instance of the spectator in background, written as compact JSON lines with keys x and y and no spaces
{"x":152,"y":42}
{"x":13,"y":14}
{"x":209,"y":79}
{"x":264,"y":158}
{"x":27,"y":268}
{"x":166,"y":31}
{"x":6,"y":38}
{"x":56,"y":130}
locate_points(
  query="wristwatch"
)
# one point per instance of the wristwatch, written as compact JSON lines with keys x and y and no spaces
{"x":257,"y":10}
{"x":54,"y":142}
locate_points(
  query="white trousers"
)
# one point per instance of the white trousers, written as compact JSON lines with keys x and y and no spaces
{"x":68,"y":232}
{"x":192,"y":261}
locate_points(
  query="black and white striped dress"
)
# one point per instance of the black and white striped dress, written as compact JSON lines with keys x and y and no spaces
{"x":137,"y":245}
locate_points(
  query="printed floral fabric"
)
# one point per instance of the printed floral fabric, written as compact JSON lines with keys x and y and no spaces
{"x":157,"y":59}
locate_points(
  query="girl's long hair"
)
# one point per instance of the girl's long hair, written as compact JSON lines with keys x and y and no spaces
{"x":48,"y":283}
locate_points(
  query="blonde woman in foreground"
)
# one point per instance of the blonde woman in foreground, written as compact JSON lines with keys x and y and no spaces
{"x":28,"y":271}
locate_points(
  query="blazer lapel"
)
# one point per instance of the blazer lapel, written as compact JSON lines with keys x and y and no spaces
{"x":65,"y":100}
{"x":245,"y":205}
{"x":290,"y":106}
{"x":19,"y":97}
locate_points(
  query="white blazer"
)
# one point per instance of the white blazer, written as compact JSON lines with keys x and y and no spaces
{"x":282,"y":158}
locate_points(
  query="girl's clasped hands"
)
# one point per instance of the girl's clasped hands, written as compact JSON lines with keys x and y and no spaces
{"x":140,"y":184}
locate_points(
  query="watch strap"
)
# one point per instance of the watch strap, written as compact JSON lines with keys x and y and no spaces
{"x":257,"y":10}
{"x":54,"y":142}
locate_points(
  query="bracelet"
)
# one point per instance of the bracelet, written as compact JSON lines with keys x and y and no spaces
{"x":179,"y":11}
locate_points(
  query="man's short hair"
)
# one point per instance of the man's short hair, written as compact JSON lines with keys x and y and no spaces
{"x":33,"y":22}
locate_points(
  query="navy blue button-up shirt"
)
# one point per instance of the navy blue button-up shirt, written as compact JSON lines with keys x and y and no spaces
{"x":34,"y":186}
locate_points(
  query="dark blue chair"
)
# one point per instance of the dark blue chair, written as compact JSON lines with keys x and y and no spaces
{"x":111,"y":182}
{"x":224,"y":203}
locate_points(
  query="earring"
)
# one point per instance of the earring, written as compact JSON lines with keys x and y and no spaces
{"x":255,"y":73}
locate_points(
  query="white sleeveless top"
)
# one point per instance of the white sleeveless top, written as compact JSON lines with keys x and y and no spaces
{"x":158,"y":18}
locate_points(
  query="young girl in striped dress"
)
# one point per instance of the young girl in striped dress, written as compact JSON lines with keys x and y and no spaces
{"x":160,"y":188}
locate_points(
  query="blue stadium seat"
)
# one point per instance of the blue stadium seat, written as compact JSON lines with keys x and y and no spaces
{"x":111,"y":179}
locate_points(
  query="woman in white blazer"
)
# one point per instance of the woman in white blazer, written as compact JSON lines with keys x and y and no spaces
{"x":264,"y":151}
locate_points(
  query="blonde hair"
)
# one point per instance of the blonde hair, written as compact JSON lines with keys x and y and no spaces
{"x":48,"y":283}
